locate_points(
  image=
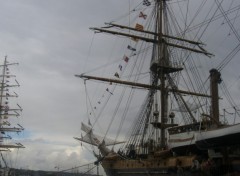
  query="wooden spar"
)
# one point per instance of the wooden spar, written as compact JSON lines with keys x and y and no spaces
{"x":124,"y":34}
{"x":120,"y":82}
{"x":153,"y":33}
{"x":152,"y":40}
{"x":7,"y":64}
{"x":11,"y":129}
{"x":16,"y":115}
{"x":190,"y":49}
{"x":9,"y":96}
{"x":140,"y":85}
{"x":11,"y":146}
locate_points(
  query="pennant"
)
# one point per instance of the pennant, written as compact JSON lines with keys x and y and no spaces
{"x":135,"y":39}
{"x":99,"y":102}
{"x":7,"y":123}
{"x":89,"y":123}
{"x":131,"y":48}
{"x":109,"y":91}
{"x":116,"y":75}
{"x":120,"y":67}
{"x":139,"y":27}
{"x":142,"y":15}
{"x":146,"y":3}
{"x":125,"y":58}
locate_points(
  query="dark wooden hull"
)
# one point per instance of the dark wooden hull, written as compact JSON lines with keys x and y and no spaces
{"x":170,"y":166}
{"x":148,"y":172}
{"x":153,"y":166}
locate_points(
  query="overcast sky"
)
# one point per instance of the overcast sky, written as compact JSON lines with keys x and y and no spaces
{"x":50,"y":40}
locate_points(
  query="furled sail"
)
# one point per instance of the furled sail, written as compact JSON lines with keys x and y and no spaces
{"x":95,"y":139}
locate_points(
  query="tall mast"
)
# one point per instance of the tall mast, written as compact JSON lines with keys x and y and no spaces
{"x":162,"y":60}
{"x":160,"y":66}
{"x":6,"y":111}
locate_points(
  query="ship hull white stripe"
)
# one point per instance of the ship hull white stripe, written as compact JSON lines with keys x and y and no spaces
{"x":227,"y":136}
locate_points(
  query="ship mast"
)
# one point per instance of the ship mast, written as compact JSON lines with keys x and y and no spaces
{"x":160,"y":67}
{"x":6,"y":111}
{"x":163,"y":60}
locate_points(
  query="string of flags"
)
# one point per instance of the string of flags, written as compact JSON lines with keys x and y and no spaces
{"x":125,"y":58}
{"x":142,"y":15}
{"x":117,"y":74}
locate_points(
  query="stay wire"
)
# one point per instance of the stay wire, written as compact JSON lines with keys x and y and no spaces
{"x":227,"y":19}
{"x":228,"y":96}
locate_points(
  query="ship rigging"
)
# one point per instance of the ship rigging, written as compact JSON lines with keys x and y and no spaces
{"x":158,"y":143}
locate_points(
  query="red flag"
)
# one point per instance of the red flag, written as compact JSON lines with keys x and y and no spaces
{"x":142,"y":15}
{"x":125,"y":58}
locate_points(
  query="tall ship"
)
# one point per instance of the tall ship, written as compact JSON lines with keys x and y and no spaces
{"x":187,"y":122}
{"x":10,"y":111}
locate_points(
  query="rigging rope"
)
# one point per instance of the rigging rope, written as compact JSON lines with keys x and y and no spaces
{"x":4,"y":161}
